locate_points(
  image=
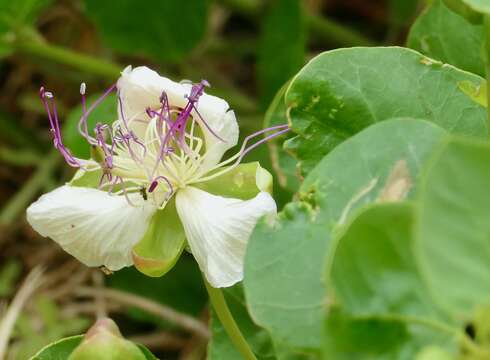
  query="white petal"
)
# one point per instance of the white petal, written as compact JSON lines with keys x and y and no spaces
{"x":218,"y":229}
{"x":142,"y":87}
{"x":93,"y":226}
{"x":224,"y":124}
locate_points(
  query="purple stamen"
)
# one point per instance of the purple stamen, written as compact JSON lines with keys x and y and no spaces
{"x":84,"y":117}
{"x":108,"y":152}
{"x":154,"y":185}
{"x":207,"y":126}
{"x":47,"y":97}
{"x":244,"y":151}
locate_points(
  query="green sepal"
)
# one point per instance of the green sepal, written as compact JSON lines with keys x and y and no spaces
{"x":83,"y":178}
{"x":160,"y":248}
{"x":97,"y":154}
{"x":462,"y":9}
{"x":243,"y":182}
{"x":91,"y":179}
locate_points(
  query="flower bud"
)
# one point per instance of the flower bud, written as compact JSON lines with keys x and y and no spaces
{"x":103,"y":341}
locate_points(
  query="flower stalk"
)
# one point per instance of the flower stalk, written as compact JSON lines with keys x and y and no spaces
{"x":220,"y":306}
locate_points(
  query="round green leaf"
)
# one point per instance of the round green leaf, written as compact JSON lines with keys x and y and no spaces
{"x":348,"y":337}
{"x":446,"y":36}
{"x":147,"y":353}
{"x":343,"y":91}
{"x":462,"y":9}
{"x":481,"y":6}
{"x":453,"y":231}
{"x":164,"y":30}
{"x":284,"y":265}
{"x":373,"y":271}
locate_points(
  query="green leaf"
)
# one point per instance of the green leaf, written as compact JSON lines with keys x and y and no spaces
{"x":453,"y":228}
{"x":163,"y":30}
{"x":105,"y":113}
{"x":164,"y":240}
{"x":147,"y":353}
{"x":374,"y":271}
{"x":477,"y":93}
{"x":461,"y":8}
{"x":221,"y":346}
{"x":374,"y":275}
{"x":434,"y":353}
{"x":349,"y":338}
{"x":283,"y":282}
{"x":480,"y":6}
{"x":282,"y":46}
{"x":443,"y":35}
{"x":284,"y":264}
{"x":59,"y":350}
{"x":343,"y":91}
{"x":366,"y":338}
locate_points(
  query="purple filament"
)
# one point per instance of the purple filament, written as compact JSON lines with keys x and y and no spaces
{"x":86,"y":113}
{"x":47,"y":97}
{"x":108,"y":152}
{"x":154,"y":185}
{"x":282,"y":130}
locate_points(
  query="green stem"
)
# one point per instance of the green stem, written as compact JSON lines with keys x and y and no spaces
{"x":487,"y":61}
{"x":18,"y":157}
{"x":65,"y":56}
{"x":224,"y":315}
{"x":321,"y":27}
{"x":21,"y":199}
{"x":330,"y":30}
{"x":39,"y":48}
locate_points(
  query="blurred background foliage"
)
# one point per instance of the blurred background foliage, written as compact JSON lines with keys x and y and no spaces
{"x":246,"y":49}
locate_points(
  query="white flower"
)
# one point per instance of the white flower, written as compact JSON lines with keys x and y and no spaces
{"x":158,"y":181}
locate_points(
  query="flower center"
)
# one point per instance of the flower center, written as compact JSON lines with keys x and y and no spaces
{"x":154,"y":152}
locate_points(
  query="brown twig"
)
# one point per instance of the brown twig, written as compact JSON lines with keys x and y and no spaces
{"x":185,"y":321}
{"x":161,"y":340}
{"x":30,"y":285}
{"x":99,"y":300}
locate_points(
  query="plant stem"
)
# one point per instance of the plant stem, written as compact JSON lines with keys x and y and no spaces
{"x":487,"y":61}
{"x":22,"y":198}
{"x":224,"y":315}
{"x":69,"y":57}
{"x":321,"y":27}
{"x":330,"y":30}
{"x":19,"y":157}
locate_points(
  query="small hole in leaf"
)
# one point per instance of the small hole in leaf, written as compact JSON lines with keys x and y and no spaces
{"x":469,"y":329}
